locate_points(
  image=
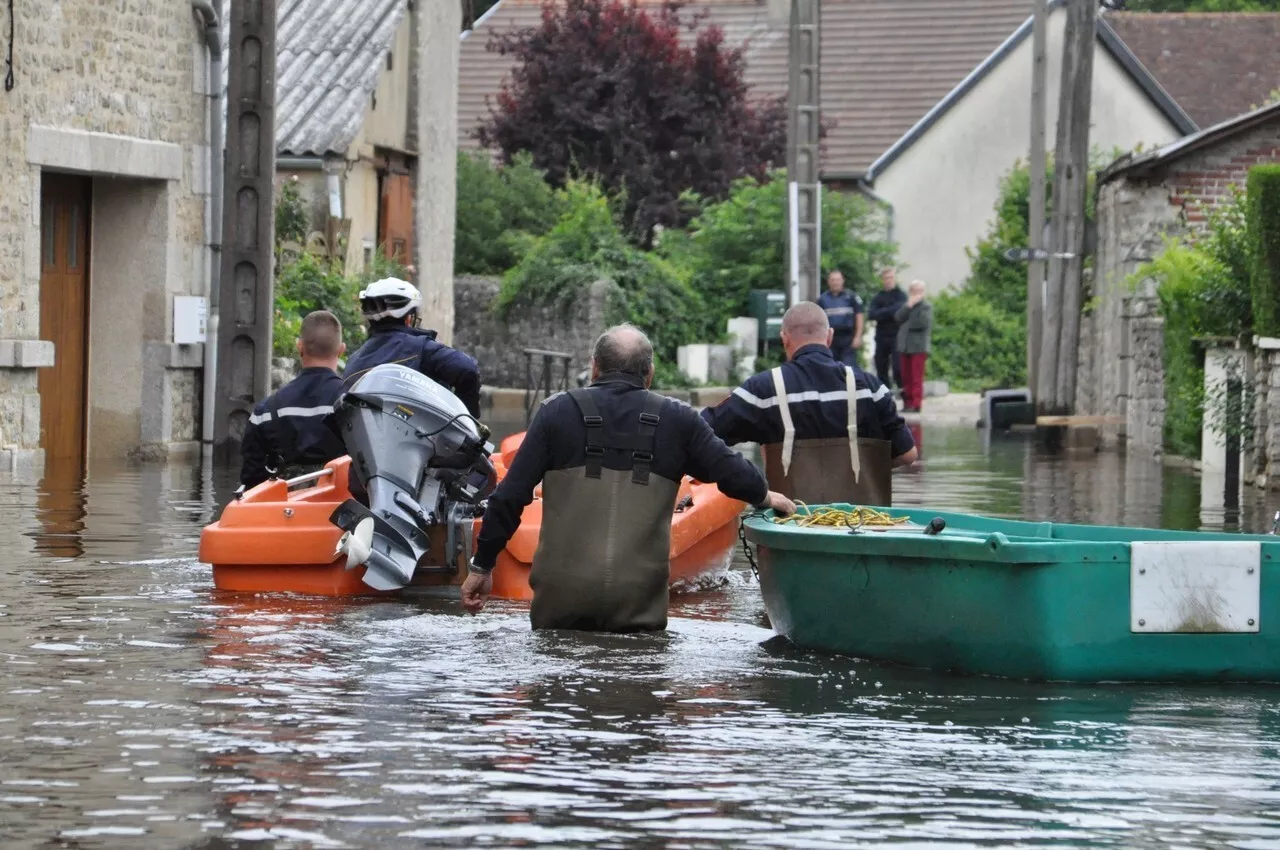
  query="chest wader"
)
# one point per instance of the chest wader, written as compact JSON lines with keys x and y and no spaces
{"x":603,"y":557}
{"x":834,"y":469}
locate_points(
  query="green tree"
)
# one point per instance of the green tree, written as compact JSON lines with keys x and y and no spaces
{"x":739,"y":244}
{"x":500,"y":208}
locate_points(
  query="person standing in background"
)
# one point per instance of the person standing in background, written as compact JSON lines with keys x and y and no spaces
{"x":844,"y":312}
{"x":884,"y":311}
{"x":915,"y":328}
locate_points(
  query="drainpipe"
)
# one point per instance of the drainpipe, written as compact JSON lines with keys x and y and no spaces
{"x":208,"y":15}
{"x":864,"y":186}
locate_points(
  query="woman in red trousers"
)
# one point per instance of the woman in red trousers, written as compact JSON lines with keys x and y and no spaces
{"x":915,"y":326}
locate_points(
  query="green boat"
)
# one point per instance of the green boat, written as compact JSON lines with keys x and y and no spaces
{"x":1028,"y":600}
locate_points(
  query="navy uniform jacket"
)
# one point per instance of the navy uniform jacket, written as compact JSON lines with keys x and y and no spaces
{"x":290,"y":427}
{"x":841,"y":310}
{"x":419,"y":350}
{"x":557,"y":439}
{"x":883,"y":312}
{"x":818,"y":393}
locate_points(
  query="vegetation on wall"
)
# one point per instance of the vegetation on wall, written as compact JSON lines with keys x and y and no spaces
{"x":306,"y":281}
{"x":499,"y":209}
{"x":1263,"y":226}
{"x":1203,"y":290}
{"x":613,"y":91}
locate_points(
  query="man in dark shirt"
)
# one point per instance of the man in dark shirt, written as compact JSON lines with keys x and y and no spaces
{"x":288,"y":433}
{"x":844,"y":313}
{"x":610,"y":457}
{"x":391,"y":307}
{"x":828,"y":432}
{"x":883,"y":311}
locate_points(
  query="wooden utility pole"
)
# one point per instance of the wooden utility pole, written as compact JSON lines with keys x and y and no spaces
{"x":803,"y":140}
{"x":439,"y":23}
{"x":1035,"y":220}
{"x":1056,"y":381}
{"x":248,"y":257}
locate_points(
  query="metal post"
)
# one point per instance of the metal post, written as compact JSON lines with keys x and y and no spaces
{"x":803,"y":137}
{"x":245,"y":297}
{"x":1035,"y":222}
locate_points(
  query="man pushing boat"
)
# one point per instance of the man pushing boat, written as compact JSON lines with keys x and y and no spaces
{"x":828,"y":432}
{"x":610,"y":457}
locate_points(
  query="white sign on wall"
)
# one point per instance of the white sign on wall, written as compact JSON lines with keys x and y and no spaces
{"x":189,"y":315}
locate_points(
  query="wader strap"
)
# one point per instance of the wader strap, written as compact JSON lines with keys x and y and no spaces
{"x":595,"y":430}
{"x":851,"y":383}
{"x":642,"y":456}
{"x":788,"y":427}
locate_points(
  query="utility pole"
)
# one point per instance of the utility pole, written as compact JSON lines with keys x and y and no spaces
{"x":1056,"y":379}
{"x":1035,"y":220}
{"x":803,"y":138}
{"x":439,"y":23}
{"x":248,"y":256}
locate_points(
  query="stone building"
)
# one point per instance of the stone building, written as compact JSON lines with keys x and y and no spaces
{"x":104,"y":186}
{"x":1142,"y":198}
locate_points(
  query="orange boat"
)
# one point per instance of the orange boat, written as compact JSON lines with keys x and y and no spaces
{"x":278,"y":537}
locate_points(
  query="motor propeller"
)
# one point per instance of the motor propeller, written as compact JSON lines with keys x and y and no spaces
{"x":357,"y":544}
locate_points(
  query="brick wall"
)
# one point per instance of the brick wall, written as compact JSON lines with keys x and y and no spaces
{"x":128,"y":69}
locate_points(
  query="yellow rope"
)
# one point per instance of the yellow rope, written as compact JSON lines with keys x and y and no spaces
{"x":838,"y":517}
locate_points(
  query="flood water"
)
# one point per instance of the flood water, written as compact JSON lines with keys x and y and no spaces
{"x":140,"y":709}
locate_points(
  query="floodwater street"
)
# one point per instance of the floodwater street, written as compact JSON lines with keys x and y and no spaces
{"x":139,"y":708}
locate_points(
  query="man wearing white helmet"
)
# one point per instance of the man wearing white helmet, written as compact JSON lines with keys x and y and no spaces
{"x":390,"y":306}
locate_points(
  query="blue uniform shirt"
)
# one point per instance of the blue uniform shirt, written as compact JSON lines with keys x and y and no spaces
{"x":419,"y":350}
{"x":818,"y":394}
{"x":291,"y":427}
{"x":841,"y":310}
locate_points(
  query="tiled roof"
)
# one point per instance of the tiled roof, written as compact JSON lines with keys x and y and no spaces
{"x":328,"y":57}
{"x":1216,"y":66}
{"x":885,"y":63}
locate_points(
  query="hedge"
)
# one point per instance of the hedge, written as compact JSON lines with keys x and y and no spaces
{"x":1263,"y":217}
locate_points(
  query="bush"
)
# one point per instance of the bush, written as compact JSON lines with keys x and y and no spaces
{"x":977,"y":344}
{"x":740,"y":244}
{"x":499,"y":210}
{"x":1203,"y":291}
{"x":1263,"y":229}
{"x":311,"y":282}
{"x":585,"y":246}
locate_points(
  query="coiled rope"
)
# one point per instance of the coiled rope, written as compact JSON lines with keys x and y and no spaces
{"x":807,"y":517}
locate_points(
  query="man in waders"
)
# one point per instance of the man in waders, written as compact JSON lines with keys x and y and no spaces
{"x":610,"y":457}
{"x":828,"y":432}
{"x":288,"y":434}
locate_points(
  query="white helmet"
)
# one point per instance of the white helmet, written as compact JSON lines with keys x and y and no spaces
{"x":389,"y":298}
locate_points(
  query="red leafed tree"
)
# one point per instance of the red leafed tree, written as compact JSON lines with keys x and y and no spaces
{"x":641,"y":98}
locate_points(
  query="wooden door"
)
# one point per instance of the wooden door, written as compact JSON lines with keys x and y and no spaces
{"x":395,"y":217}
{"x":64,"y":315}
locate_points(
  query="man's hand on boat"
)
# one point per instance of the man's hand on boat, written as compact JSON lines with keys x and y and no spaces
{"x":476,"y":589}
{"x":780,"y":504}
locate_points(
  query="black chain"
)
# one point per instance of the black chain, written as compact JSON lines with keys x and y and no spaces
{"x":746,"y":547}
{"x":8,"y":77}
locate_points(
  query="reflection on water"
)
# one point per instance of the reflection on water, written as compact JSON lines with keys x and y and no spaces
{"x":138,"y":708}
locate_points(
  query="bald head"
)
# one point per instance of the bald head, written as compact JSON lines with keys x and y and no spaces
{"x":805,"y":324}
{"x":625,"y":349}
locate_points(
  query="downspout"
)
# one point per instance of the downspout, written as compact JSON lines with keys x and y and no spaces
{"x":864,"y":186}
{"x":208,"y":14}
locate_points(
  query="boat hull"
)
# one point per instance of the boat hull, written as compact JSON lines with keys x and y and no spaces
{"x":279,"y":539}
{"x":1023,"y":600}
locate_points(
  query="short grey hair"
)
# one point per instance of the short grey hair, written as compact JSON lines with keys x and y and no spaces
{"x":806,"y":320}
{"x":623,"y":348}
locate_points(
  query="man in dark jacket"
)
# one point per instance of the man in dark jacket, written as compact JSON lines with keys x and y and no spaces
{"x":884,"y":311}
{"x":287,"y":434}
{"x":828,"y":432}
{"x":391,"y":308}
{"x":610,"y":457}
{"x":844,"y":312}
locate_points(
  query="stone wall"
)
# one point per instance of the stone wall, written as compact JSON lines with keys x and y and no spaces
{"x":498,"y":345}
{"x":1262,"y":459}
{"x":114,"y":93}
{"x":1144,"y":377}
{"x":1135,"y":213}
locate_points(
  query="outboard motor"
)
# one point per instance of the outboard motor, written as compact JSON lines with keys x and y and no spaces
{"x":423,"y":462}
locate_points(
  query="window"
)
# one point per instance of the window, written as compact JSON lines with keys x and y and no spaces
{"x":73,"y":236}
{"x":47,"y":221}
{"x":391,"y":64}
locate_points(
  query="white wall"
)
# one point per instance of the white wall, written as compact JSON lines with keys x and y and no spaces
{"x":944,"y":187}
